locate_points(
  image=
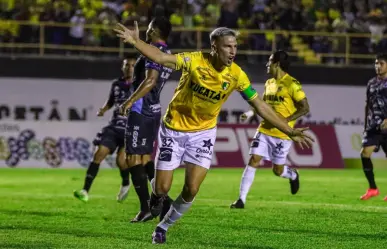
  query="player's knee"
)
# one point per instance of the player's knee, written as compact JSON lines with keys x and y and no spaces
{"x":162,"y":188}
{"x":254,"y":161}
{"x":121,"y":162}
{"x":278,"y":170}
{"x":190,"y":191}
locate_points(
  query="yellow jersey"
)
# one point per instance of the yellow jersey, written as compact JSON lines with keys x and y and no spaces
{"x":201,"y":92}
{"x":281,"y":96}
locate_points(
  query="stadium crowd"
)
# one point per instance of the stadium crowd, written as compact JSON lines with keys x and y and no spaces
{"x":338,"y":16}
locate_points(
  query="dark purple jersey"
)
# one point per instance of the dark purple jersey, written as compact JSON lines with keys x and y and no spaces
{"x":119,"y":93}
{"x":376,"y":103}
{"x":149,"y":105}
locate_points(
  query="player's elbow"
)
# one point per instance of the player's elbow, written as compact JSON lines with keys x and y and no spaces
{"x":306,"y":109}
{"x":150,"y":82}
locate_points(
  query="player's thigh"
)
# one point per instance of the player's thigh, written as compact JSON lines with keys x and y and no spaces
{"x":259,"y":149}
{"x":170,"y":148}
{"x":146,"y":159}
{"x":100,"y":153}
{"x":199,"y":148}
{"x":194,"y":177}
{"x":370,"y":141}
{"x":121,"y":158}
{"x":106,"y":143}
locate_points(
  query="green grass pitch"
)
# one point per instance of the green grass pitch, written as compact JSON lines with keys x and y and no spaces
{"x":37,"y":210}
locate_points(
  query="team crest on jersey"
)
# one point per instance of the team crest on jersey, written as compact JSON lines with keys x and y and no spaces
{"x":225,"y":85}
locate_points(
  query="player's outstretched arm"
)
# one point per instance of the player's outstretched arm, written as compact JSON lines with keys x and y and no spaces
{"x":266,"y":112}
{"x":132,"y":36}
{"x":107,"y":105}
{"x":148,"y":83}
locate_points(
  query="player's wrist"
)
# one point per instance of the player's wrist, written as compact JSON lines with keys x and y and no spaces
{"x":291,"y":132}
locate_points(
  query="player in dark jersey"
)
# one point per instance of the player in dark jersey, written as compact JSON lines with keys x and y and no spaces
{"x":375,"y":124}
{"x":145,"y":114}
{"x":111,"y":138}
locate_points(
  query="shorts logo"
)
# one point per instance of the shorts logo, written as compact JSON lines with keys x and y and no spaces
{"x":208,"y":144}
{"x":207,"y":148}
{"x":254,"y":144}
{"x":165,"y":154}
{"x":143,"y":142}
{"x":135,"y":136}
{"x":278,"y":149}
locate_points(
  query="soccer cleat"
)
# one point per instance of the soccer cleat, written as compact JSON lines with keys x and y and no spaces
{"x":371,"y":192}
{"x":124,"y":190}
{"x":166,"y":205}
{"x":81,"y":195}
{"x":142,"y":216}
{"x":156,"y":205}
{"x":295,"y":184}
{"x":385,"y":198}
{"x":159,"y":236}
{"x":237,"y":204}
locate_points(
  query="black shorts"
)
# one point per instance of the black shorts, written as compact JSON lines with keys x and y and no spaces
{"x":375,"y":139}
{"x":111,"y":137}
{"x":140,"y":133}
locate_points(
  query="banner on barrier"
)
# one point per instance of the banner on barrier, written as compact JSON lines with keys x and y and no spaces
{"x":69,"y":145}
{"x":79,"y":100}
{"x":233,"y":141}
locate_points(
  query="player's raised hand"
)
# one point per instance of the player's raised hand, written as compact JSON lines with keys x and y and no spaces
{"x":124,"y":108}
{"x":383,"y":125}
{"x":246,"y":116}
{"x":128,"y":35}
{"x":302,"y":138}
{"x":100,"y":112}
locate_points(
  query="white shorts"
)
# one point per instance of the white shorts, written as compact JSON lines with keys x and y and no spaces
{"x":176,"y":147}
{"x":270,"y":148}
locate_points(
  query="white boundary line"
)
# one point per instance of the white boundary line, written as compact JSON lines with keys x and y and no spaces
{"x":250,"y":203}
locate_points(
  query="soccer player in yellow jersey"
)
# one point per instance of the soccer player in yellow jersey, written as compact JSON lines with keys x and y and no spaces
{"x":188,"y":131}
{"x":284,"y":93}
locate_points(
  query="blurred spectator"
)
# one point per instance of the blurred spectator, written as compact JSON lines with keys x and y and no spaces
{"x":77,"y":30}
{"x":274,"y":17}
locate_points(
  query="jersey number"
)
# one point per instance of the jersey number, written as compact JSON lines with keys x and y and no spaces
{"x":165,"y":75}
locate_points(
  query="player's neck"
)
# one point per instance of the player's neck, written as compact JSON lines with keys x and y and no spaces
{"x":158,"y":40}
{"x":128,"y":80}
{"x":279,"y":75}
{"x":216,"y":64}
{"x":382,"y":76}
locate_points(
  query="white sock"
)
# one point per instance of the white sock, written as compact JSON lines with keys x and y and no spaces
{"x":177,"y":209}
{"x":288,"y":173}
{"x":246,"y":181}
{"x":153,"y":186}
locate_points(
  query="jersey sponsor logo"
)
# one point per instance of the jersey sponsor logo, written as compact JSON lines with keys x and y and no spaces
{"x":207,"y":93}
{"x":274,"y":98}
{"x":225,"y":85}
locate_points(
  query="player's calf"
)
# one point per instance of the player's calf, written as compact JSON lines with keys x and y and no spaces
{"x":288,"y":173}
